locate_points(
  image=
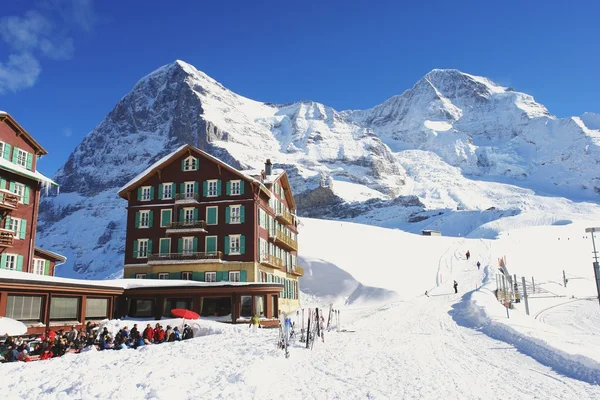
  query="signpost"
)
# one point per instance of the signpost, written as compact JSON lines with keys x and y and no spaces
{"x":596,"y":264}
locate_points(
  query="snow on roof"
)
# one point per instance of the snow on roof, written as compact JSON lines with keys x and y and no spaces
{"x":50,"y":253}
{"x":46,"y":182}
{"x":3,"y":112}
{"x":145,"y":172}
{"x":118,"y":283}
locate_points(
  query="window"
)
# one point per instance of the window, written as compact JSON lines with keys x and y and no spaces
{"x":188,"y":215}
{"x":246,"y":306}
{"x":20,"y":191}
{"x":235,"y":214}
{"x":212,"y":188}
{"x":163,"y":275}
{"x":234,"y":244}
{"x":210,"y":277}
{"x":2,"y":147}
{"x":165,"y":217}
{"x":212,"y":215}
{"x":190,"y":164}
{"x":142,"y":248}
{"x":235,"y":188}
{"x":96,"y":308}
{"x":190,"y":190}
{"x":140,"y":276}
{"x":186,"y":276}
{"x":146,"y":193}
{"x":234,"y":276}
{"x":15,"y":225}
{"x":259,"y":302}
{"x":39,"y":266}
{"x":11,"y":261}
{"x":167,"y":191}
{"x":21,"y":158}
{"x":24,"y":308}
{"x":188,"y":245}
{"x":142,"y":308}
{"x":144,"y":219}
{"x":64,"y":308}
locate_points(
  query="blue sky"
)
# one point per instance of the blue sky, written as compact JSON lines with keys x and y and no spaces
{"x":64,"y":64}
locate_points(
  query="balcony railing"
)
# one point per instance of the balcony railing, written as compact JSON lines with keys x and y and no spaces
{"x":187,"y":198}
{"x":9,"y":200}
{"x":6,"y":238}
{"x":211,"y":255}
{"x":285,"y":240}
{"x":271,"y":261}
{"x":298,"y":271}
{"x":186,"y":225}
{"x":285,"y":217}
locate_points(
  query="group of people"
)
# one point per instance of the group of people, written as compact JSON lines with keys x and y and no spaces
{"x":56,"y":344}
{"x":455,"y":284}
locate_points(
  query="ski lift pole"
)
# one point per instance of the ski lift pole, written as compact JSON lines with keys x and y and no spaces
{"x":525,"y":296}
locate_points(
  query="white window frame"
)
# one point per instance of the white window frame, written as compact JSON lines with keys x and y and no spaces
{"x":216,"y":215}
{"x":170,"y":191}
{"x":15,"y":226}
{"x":206,"y":243}
{"x":11,"y":260}
{"x":163,"y":275}
{"x":238,"y":217}
{"x":162,"y":223}
{"x":209,"y":191}
{"x":140,"y":276}
{"x":190,"y":240}
{"x":21,"y":158}
{"x":146,"y":190}
{"x":190,"y":164}
{"x":212,"y":275}
{"x":234,"y":276}
{"x":186,"y":275}
{"x":237,"y":192}
{"x":186,"y":185}
{"x":20,"y":191}
{"x":232,"y":240}
{"x":2,"y":144}
{"x":139,"y":252}
{"x":36,"y":268}
{"x":186,"y":211}
{"x":144,"y":221}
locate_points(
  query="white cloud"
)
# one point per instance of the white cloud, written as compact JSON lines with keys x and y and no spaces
{"x":44,"y":32}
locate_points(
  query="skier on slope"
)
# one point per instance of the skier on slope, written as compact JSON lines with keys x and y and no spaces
{"x":468,"y":255}
{"x":478,"y":265}
{"x":455,"y":287}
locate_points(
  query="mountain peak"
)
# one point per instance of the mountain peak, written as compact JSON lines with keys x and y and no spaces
{"x":452,"y":81}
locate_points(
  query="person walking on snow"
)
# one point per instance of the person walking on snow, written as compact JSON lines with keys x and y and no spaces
{"x":254,"y":323}
{"x":455,"y":287}
{"x":478,"y":265}
{"x":468,"y":255}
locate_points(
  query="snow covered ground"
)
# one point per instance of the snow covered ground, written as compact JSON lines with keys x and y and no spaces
{"x":399,"y":344}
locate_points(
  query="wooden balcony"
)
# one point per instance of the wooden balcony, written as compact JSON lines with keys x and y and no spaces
{"x":166,"y":258}
{"x":271,"y":261}
{"x":285,"y":241}
{"x":298,"y":271}
{"x":186,"y":226}
{"x":6,"y":238}
{"x":8,"y":200}
{"x":184,"y":198}
{"x":284,"y":217}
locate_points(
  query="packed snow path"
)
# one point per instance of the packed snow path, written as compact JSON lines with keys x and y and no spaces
{"x":405,"y":350}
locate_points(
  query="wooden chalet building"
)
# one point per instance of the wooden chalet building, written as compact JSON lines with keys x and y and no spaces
{"x":193,"y":217}
{"x":20,"y":189}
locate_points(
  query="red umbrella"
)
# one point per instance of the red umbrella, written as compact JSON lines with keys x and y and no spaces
{"x":185,"y":314}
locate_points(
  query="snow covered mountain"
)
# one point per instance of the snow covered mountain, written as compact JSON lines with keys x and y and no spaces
{"x":453,"y":141}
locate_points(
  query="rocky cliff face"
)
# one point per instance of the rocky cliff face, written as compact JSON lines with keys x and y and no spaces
{"x":468,"y":122}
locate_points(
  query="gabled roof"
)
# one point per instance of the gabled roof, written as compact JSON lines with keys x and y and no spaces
{"x":6,"y":117}
{"x":169,"y":158}
{"x":276,"y":174}
{"x":50,"y":255}
{"x":19,"y":170}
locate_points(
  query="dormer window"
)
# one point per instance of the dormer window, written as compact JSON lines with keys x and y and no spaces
{"x":21,"y":158}
{"x":190,"y":164}
{"x":146,"y":193}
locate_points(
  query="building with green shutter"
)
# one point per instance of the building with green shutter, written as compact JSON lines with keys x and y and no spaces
{"x":20,"y":189}
{"x":193,"y":217}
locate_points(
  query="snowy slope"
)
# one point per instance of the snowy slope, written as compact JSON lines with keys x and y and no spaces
{"x":454,"y":140}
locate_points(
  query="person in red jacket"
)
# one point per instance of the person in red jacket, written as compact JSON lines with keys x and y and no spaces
{"x":46,"y":355}
{"x":148,"y":334}
{"x":159,"y":334}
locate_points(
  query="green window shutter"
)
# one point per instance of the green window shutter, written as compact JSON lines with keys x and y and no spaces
{"x":135,"y":249}
{"x":218,"y":276}
{"x":174,"y":189}
{"x":243,"y":214}
{"x":149,"y":246}
{"x":6,"y":154}
{"x":151,"y":276}
{"x":29,"y":161}
{"x":165,"y":217}
{"x":204,"y":188}
{"x":150,"y":218}
{"x":228,"y":188}
{"x":137,"y":219}
{"x":227,"y":215}
{"x":160,"y":191}
{"x":183,"y":164}
{"x":242,"y":244}
{"x":47,"y":267}
{"x":182,"y":189}
{"x":23,"y":228}
{"x":211,"y":215}
{"x":241,"y":187}
{"x":165,"y":246}
{"x":219,"y":187}
{"x":211,"y":244}
{"x":20,"y":263}
{"x":195,"y":214}
{"x":226,"y":247}
{"x":2,"y":183}
{"x":174,"y":275}
{"x":181,"y":215}
{"x":179,"y":245}
{"x":196,"y":187}
{"x":26,"y":195}
{"x":139,"y":193}
{"x":243,"y":276}
{"x":3,"y":261}
{"x":195,"y":245}
{"x":151,"y":192}
{"x":15,"y":154}
{"x":198,"y":276}
{"x":197,"y":163}
{"x":11,"y":187}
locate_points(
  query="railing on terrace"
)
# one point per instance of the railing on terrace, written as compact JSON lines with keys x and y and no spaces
{"x":6,"y":238}
{"x":187,"y":225}
{"x":9,"y":199}
{"x":271,"y":260}
{"x":282,"y":237}
{"x":185,"y":256}
{"x":296,"y":270}
{"x":285,"y":217}
{"x":187,"y":197}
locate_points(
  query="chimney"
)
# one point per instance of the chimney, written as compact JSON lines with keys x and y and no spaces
{"x":268,"y":167}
